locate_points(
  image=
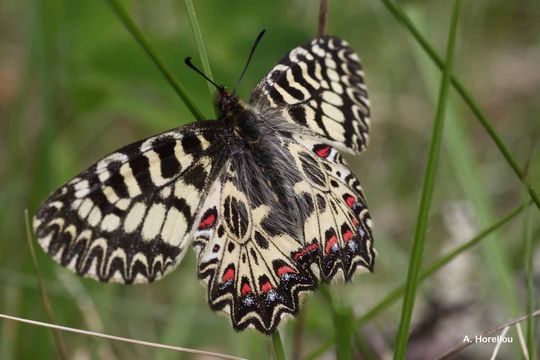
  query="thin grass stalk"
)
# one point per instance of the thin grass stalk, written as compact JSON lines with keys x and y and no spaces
{"x":529,"y":262}
{"x":278,"y":346}
{"x":58,"y":339}
{"x":435,"y":266}
{"x":343,"y":330}
{"x":323,"y":18}
{"x":522,"y":342}
{"x":498,"y":345}
{"x":400,"y":15}
{"x":201,"y":47}
{"x":119,"y":338}
{"x":298,"y":337}
{"x":317,"y":353}
{"x":178,"y":88}
{"x":87,"y":310}
{"x":468,"y":174}
{"x":396,"y":294}
{"x":427,"y":192}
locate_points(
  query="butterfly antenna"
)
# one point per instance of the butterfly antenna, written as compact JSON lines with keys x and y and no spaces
{"x":193,"y":67}
{"x":249,"y":59}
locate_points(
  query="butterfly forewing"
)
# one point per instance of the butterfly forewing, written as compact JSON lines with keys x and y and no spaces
{"x":320,"y":86}
{"x":128,"y":218}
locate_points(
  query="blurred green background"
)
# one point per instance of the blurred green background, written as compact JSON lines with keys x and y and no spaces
{"x":74,"y":86}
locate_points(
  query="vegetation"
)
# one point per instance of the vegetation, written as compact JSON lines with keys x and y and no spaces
{"x":75,"y":85}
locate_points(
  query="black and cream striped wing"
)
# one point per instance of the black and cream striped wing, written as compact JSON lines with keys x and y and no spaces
{"x":128,"y":218}
{"x":337,"y":229}
{"x":320,"y":86}
{"x":245,"y":260}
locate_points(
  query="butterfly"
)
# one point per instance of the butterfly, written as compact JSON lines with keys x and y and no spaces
{"x":262,"y":194}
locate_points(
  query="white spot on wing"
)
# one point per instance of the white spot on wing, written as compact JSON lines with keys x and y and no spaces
{"x":130,"y":180}
{"x":174,"y":227}
{"x":153,"y":221}
{"x":110,"y":222}
{"x":95,"y":216}
{"x":334,"y":129}
{"x":85,"y":208}
{"x":332,"y":112}
{"x":110,"y":194}
{"x":288,"y":98}
{"x":332,"y":98}
{"x":123,"y":204}
{"x":134,"y":217}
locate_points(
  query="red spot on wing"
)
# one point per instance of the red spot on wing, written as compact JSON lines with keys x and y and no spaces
{"x":329,"y":243}
{"x":355,"y":222}
{"x":229,"y":275}
{"x":305,"y":250}
{"x":350,"y":200}
{"x":323,"y":151}
{"x":246,"y":289}
{"x":285,"y":270}
{"x":266,"y":287}
{"x":208,"y":222}
{"x":347,"y":235}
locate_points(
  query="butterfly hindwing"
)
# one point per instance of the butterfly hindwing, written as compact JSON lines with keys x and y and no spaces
{"x":320,"y":86}
{"x":337,"y":230}
{"x":256,"y":267}
{"x":249,"y":273}
{"x":128,"y":218}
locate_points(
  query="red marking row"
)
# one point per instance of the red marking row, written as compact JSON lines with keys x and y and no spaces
{"x":246,"y":289}
{"x":351,"y":200}
{"x":229,"y":275}
{"x":305,"y":250}
{"x":285,"y":270}
{"x":329,"y":243}
{"x":324,"y":151}
{"x":347,"y":235}
{"x":207,"y":222}
{"x":266,"y":287}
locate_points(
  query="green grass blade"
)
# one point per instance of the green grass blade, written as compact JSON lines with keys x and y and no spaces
{"x":151,"y":52}
{"x":278,"y":345}
{"x":200,"y":46}
{"x":435,"y":266}
{"x":320,"y":350}
{"x":58,"y":338}
{"x":396,"y":294}
{"x":400,"y":15}
{"x":499,"y":275}
{"x":427,"y":192}
{"x":458,"y":141}
{"x":343,"y":326}
{"x":531,"y":303}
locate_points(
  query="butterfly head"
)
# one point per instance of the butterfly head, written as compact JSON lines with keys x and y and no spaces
{"x":238,"y":116}
{"x":228,"y":104}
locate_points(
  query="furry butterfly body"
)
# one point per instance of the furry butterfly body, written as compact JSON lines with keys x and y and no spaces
{"x":262,"y":194}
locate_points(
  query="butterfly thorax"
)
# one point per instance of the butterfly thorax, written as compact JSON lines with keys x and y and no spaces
{"x":239,"y":117}
{"x":264,"y":172}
